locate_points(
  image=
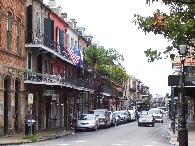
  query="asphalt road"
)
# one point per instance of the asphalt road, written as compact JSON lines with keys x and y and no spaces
{"x":124,"y":135}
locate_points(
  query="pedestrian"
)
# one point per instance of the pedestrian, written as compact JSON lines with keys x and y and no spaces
{"x":136,"y":115}
{"x":28,"y":122}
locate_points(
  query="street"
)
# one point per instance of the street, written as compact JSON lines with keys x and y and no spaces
{"x":123,"y":135}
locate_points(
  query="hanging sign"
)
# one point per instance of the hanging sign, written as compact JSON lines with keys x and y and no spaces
{"x":30,"y":98}
{"x":48,"y":92}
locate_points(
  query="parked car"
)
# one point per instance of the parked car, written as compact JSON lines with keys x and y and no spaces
{"x":128,"y":115}
{"x":157,"y":113}
{"x":132,"y":115}
{"x":118,"y":118}
{"x":87,"y":122}
{"x":112,"y":119}
{"x":123,"y":116}
{"x":103,"y":116}
{"x":146,"y":120}
{"x":144,"y":112}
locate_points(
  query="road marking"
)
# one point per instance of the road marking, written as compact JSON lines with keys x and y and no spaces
{"x":63,"y":144}
{"x":154,"y":142}
{"x":116,"y":144}
{"x":80,"y":141}
{"x":123,"y":141}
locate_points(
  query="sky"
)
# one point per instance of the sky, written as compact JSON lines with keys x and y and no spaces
{"x":110,"y":22}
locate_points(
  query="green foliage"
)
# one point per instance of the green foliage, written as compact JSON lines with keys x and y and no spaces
{"x":178,"y":26}
{"x":102,"y":62}
{"x":167,"y":94}
{"x":31,"y":137}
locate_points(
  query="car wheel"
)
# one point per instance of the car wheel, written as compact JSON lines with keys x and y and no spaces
{"x":106,"y":126}
{"x":162,"y":121}
{"x":115,"y":123}
{"x":152,"y":125}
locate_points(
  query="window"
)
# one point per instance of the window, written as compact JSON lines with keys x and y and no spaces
{"x":76,"y":43}
{"x":9,"y":27}
{"x":46,"y":65}
{"x":29,"y":61}
{"x":38,"y":27}
{"x":64,"y":72}
{"x":67,"y":41}
{"x":58,"y":69}
{"x":18,"y":35}
{"x":52,"y":68}
{"x":72,"y":42}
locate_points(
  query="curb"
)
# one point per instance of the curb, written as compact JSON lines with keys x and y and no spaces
{"x":44,"y":139}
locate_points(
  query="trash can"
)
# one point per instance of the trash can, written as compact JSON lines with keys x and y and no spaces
{"x":30,"y":127}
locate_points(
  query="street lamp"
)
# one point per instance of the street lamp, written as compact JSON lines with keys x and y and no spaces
{"x":182,"y":132}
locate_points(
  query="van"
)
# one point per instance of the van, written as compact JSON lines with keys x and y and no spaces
{"x":157,"y":114}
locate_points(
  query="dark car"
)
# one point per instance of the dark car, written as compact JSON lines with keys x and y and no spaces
{"x":146,"y":120}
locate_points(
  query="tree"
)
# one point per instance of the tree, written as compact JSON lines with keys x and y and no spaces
{"x":177,"y":27}
{"x":101,"y":62}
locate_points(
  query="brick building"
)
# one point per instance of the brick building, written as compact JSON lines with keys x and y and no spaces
{"x":12,"y":56}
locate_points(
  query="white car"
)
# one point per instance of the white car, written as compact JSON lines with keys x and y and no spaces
{"x":87,"y":122}
{"x":132,"y":115}
{"x":157,"y":113}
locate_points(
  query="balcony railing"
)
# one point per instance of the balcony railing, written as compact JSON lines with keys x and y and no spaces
{"x":60,"y":79}
{"x":49,"y":45}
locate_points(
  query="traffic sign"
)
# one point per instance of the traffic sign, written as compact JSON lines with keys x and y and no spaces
{"x":30,"y":98}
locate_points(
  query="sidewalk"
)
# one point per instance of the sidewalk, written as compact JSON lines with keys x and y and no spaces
{"x":191,"y":134}
{"x":41,"y":135}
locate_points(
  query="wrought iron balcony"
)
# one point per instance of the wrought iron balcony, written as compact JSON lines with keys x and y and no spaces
{"x":58,"y":79}
{"x":47,"y":45}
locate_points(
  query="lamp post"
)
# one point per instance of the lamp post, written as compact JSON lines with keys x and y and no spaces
{"x":182,"y":132}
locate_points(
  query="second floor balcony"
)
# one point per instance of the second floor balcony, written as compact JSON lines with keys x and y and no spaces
{"x":49,"y":46}
{"x":58,"y":79}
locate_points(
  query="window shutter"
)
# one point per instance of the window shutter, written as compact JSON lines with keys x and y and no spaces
{"x":47,"y":33}
{"x":61,"y":38}
{"x":57,"y":34}
{"x":52,"y":29}
{"x":29,"y":24}
{"x":62,"y":51}
{"x":29,"y":60}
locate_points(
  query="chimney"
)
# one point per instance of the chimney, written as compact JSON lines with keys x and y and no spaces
{"x":52,"y":3}
{"x":63,"y":15}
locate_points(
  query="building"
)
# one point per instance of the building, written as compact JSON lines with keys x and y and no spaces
{"x":12,"y":54}
{"x":52,"y":76}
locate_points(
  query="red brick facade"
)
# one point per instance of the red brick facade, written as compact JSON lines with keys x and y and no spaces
{"x":11,"y":83}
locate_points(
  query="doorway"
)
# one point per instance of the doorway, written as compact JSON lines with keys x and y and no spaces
{"x":16,"y":105}
{"x":6,"y":106}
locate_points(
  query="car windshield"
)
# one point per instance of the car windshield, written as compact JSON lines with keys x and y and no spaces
{"x":121,"y":113}
{"x":86,"y":117}
{"x":154,"y":111}
{"x":144,"y":112}
{"x":97,"y":113}
{"x":146,"y":116}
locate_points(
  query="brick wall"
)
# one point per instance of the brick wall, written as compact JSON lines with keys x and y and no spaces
{"x":11,"y":58}
{"x":41,"y":9}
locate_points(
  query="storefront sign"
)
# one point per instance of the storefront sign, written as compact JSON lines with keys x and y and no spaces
{"x":30,"y":98}
{"x":176,"y":63}
{"x":48,"y":92}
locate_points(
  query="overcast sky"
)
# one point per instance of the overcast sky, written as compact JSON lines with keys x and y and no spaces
{"x":110,"y":22}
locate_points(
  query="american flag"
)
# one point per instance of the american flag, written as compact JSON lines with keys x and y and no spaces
{"x":73,"y":54}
